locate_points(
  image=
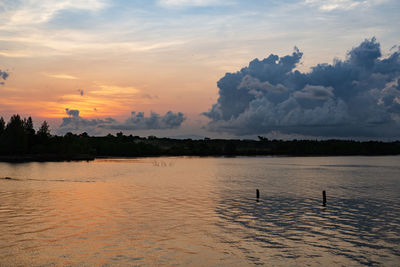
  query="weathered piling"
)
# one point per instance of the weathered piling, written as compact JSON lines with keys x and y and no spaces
{"x":258,"y":194}
{"x":323,"y":198}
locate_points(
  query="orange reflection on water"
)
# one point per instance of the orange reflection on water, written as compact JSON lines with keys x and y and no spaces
{"x":200,"y":211}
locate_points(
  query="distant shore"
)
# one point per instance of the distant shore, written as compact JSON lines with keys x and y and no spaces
{"x":20,"y":142}
{"x":159,"y":147}
{"x":45,"y":158}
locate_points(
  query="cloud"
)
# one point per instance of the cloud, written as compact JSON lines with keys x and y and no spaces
{"x":138,"y":121}
{"x":72,"y":112}
{"x":76,"y":124}
{"x":355,"y":97}
{"x":14,"y":54}
{"x":333,"y":5}
{"x":27,"y":12}
{"x":3,"y":76}
{"x":330,"y":5}
{"x":61,"y":76}
{"x":180,"y":3}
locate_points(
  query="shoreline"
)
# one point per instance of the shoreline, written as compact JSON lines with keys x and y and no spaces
{"x":45,"y":158}
{"x":83,"y":157}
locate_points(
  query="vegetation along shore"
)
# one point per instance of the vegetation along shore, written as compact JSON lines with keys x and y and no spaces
{"x":19,"y":142}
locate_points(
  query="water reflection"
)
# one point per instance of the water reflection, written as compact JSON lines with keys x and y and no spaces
{"x":365,"y":231}
{"x":201,"y":211}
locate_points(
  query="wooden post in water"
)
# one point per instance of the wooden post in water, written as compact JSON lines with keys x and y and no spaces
{"x":323,"y":198}
{"x":258,"y":194}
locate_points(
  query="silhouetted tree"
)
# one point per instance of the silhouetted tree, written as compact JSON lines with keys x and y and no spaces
{"x":2,"y":125}
{"x":230,"y":148}
{"x":30,"y":133}
{"x":44,"y":130}
{"x":28,"y":125}
{"x":14,"y":135}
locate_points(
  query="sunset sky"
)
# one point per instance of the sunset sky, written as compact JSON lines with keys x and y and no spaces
{"x":152,"y":66}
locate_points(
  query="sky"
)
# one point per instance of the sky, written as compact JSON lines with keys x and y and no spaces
{"x":196,"y":68}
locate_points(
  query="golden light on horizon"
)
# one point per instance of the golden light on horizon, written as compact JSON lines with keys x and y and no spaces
{"x":100,"y":100}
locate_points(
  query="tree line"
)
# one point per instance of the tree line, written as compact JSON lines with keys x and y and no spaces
{"x":19,"y":137}
{"x":20,"y":142}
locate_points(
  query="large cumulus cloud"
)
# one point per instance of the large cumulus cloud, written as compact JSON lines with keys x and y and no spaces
{"x":138,"y":121}
{"x":355,"y":97}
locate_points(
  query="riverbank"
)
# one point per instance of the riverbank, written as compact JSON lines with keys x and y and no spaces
{"x":83,"y":147}
{"x":45,"y":158}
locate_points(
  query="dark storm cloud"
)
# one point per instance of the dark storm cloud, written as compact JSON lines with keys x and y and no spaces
{"x":359,"y":96}
{"x":3,"y":76}
{"x":138,"y":121}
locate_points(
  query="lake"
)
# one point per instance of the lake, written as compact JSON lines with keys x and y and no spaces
{"x":201,"y":212}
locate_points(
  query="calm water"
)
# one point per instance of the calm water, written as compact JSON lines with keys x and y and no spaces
{"x":201,"y":212}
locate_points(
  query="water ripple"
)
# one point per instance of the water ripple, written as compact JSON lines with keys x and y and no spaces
{"x":201,"y":212}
